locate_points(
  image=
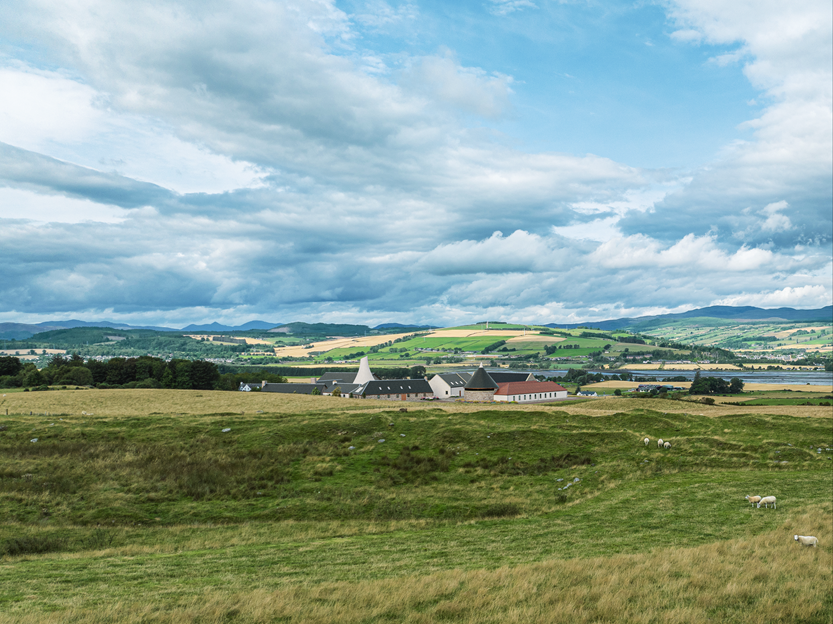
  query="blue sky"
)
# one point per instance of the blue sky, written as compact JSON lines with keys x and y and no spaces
{"x":177,"y":162}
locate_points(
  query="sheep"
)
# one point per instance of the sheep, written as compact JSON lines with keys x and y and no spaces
{"x":659,"y":443}
{"x":666,"y":446}
{"x":753,"y":499}
{"x":766,"y":500}
{"x":806,"y":540}
{"x":647,"y":441}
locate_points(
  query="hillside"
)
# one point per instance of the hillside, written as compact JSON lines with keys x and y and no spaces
{"x":738,"y":314}
{"x":270,"y":507}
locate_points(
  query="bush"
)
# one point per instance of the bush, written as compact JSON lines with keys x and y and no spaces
{"x":31,"y":545}
{"x":500,"y":510}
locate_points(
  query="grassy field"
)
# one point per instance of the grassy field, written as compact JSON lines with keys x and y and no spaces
{"x":137,"y":506}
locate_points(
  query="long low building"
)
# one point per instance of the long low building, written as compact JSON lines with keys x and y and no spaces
{"x":396,"y":390}
{"x":530,"y":391}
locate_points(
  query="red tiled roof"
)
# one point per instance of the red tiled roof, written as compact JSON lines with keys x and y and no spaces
{"x":528,"y":387}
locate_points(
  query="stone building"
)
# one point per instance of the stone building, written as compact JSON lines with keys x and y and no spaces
{"x":481,"y":387}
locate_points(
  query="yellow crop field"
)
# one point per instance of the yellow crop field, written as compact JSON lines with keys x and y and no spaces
{"x":337,"y":343}
{"x":467,"y":333}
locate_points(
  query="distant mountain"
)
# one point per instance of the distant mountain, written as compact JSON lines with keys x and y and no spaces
{"x":216,"y":327}
{"x":73,"y":323}
{"x":727,"y":313}
{"x":400,"y":326}
{"x":23,"y":331}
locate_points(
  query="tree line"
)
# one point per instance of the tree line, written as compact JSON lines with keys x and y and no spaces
{"x":140,"y":372}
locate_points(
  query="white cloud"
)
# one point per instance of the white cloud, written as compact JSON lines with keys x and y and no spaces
{"x":27,"y":205}
{"x":691,"y":252}
{"x":470,"y":89}
{"x":809,"y":296}
{"x":505,"y":7}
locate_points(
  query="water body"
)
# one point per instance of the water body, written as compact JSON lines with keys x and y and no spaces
{"x":814,"y":378}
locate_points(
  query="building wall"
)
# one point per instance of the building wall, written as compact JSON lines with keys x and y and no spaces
{"x":398,"y":397}
{"x":443,"y":390}
{"x":528,"y":398}
{"x":479,"y":395}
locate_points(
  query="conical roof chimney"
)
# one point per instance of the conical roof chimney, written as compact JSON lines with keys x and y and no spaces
{"x":481,"y":380}
{"x":364,"y":375}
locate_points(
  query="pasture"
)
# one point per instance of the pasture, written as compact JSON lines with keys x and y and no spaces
{"x":172,"y":506}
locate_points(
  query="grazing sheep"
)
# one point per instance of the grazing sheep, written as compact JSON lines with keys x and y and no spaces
{"x":767,"y":500}
{"x":806,"y":540}
{"x":659,"y":443}
{"x":753,"y":499}
{"x":647,"y":441}
{"x":666,"y":446}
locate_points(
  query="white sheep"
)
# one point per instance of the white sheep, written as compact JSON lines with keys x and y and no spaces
{"x":659,"y":443}
{"x":666,"y":446}
{"x":806,"y":540}
{"x":767,"y":500}
{"x":647,"y":441}
{"x":753,"y":499}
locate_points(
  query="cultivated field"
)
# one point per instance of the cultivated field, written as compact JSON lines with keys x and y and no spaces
{"x":316,"y":509}
{"x":325,"y":346}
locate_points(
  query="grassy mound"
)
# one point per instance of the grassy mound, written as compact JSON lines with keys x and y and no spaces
{"x":352,"y":511}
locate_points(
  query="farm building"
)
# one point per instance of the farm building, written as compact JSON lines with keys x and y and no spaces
{"x":248,"y":386}
{"x":396,"y":390}
{"x":293,"y":388}
{"x":480,"y":387}
{"x":529,"y":391}
{"x":363,"y":376}
{"x":449,"y":385}
{"x":501,"y":377}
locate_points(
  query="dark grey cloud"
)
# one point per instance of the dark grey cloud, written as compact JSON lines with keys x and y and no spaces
{"x":376,"y":198}
{"x":24,"y":169}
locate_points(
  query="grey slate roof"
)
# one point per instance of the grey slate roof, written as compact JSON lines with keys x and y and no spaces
{"x":481,"y":380}
{"x":338,"y":376}
{"x":501,"y":377}
{"x":455,"y":380}
{"x":346,"y":388}
{"x":293,"y":388}
{"x":397,"y":386}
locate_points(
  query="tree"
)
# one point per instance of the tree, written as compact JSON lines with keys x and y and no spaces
{"x":336,"y":391}
{"x":735,"y":386}
{"x":617,"y":392}
{"x":76,"y":376}
{"x":317,"y":392}
{"x":417,"y":372}
{"x":204,"y":375}
{"x":10,"y":365}
{"x":34,"y":378}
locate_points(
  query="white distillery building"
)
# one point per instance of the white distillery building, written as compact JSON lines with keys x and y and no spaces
{"x":530,"y":391}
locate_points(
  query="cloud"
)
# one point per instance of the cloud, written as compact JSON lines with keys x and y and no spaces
{"x":213,"y":163}
{"x":786,"y":52}
{"x":505,"y":7}
{"x":470,"y":89}
{"x":812,"y":296}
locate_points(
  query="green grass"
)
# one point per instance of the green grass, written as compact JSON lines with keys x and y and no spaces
{"x":167,"y":506}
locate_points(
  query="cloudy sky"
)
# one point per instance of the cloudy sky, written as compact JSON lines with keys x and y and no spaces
{"x":434,"y":162}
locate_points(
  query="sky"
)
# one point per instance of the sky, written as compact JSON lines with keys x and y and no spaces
{"x":428,"y":162}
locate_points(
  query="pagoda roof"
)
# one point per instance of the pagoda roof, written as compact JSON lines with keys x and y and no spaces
{"x":481,"y":380}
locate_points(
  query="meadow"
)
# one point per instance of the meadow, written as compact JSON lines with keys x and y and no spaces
{"x":172,"y":506}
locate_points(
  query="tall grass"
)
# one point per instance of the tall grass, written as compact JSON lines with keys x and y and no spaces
{"x":768,"y":578}
{"x":147,"y":510}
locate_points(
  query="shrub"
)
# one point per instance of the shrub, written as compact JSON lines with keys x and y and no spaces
{"x":31,"y":545}
{"x":500,"y":510}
